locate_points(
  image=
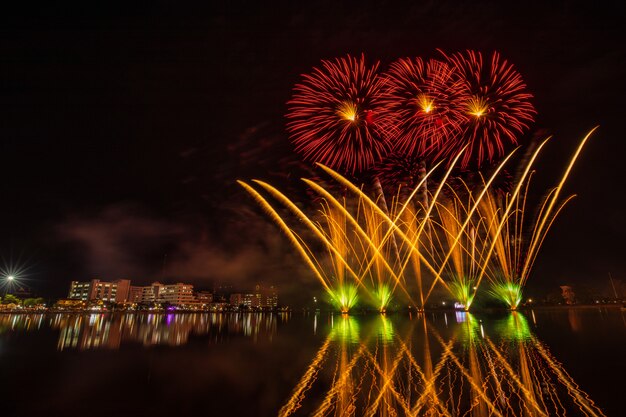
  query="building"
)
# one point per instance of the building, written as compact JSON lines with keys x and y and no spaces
{"x":261,"y":298}
{"x":271,"y":297}
{"x":236,"y":300}
{"x":204,"y":297}
{"x":177,"y":294}
{"x":268,"y":297}
{"x":174,"y":294}
{"x":115,"y":291}
{"x":135,"y":294}
{"x":245,"y":300}
{"x":151,"y":293}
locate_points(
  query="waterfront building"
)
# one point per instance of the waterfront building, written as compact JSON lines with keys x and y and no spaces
{"x":174,"y":294}
{"x":236,"y":300}
{"x":114,"y":291}
{"x":204,"y":297}
{"x":135,"y":294}
{"x":151,"y":293}
{"x":245,"y":300}
{"x":177,"y":294}
{"x":261,"y":298}
{"x":271,"y":297}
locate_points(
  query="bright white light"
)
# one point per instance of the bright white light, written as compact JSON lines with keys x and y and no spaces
{"x":10,"y":277}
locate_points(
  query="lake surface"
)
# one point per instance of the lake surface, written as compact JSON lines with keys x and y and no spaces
{"x":565,"y":362}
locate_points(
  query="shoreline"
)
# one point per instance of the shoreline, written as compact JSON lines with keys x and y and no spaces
{"x":355,"y":313}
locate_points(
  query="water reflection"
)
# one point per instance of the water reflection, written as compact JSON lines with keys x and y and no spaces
{"x":435,"y":364}
{"x":368,"y":367}
{"x":110,"y":331}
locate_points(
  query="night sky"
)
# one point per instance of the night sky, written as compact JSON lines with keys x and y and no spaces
{"x":123,"y":130}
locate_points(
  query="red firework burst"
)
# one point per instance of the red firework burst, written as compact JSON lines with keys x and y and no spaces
{"x":420,"y":98}
{"x":495,"y":103}
{"x":335,"y":115}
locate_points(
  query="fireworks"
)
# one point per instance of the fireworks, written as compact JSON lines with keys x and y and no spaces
{"x":344,"y":297}
{"x":495,"y":104}
{"x":459,"y":112}
{"x":457,"y":240}
{"x":382,"y":296}
{"x":347,"y":116}
{"x":508,"y":292}
{"x":421,"y":98}
{"x":335,"y":115}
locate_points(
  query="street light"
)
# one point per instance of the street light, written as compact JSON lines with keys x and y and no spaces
{"x":10,"y":278}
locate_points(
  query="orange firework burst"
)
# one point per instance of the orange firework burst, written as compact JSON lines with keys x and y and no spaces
{"x":496,"y":106}
{"x":335,"y":115}
{"x":421,"y":98}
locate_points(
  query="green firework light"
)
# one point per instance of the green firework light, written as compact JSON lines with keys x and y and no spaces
{"x":382,"y":296}
{"x":344,"y":297}
{"x":462,"y":289}
{"x":508,"y":292}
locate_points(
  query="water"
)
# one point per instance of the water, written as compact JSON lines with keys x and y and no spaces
{"x":541,"y":362}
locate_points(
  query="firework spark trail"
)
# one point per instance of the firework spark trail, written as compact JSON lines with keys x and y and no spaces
{"x":392,"y":225}
{"x":305,"y":219}
{"x":512,"y":287}
{"x":538,"y":232}
{"x":496,"y":234}
{"x":363,"y":236}
{"x":413,"y":243}
{"x":467,"y":252}
{"x":468,"y":220}
{"x":470,"y":243}
{"x":290,"y":234}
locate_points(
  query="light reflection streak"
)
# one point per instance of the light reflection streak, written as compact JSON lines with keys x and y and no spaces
{"x":110,"y":331}
{"x":379,"y":373}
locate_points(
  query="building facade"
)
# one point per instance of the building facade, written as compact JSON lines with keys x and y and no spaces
{"x":135,"y":294}
{"x":151,"y":293}
{"x":261,"y":298}
{"x":175,"y":294}
{"x":114,"y":291}
{"x":204,"y":297}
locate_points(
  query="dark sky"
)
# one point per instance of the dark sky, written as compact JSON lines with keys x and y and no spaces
{"x":123,"y":130}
